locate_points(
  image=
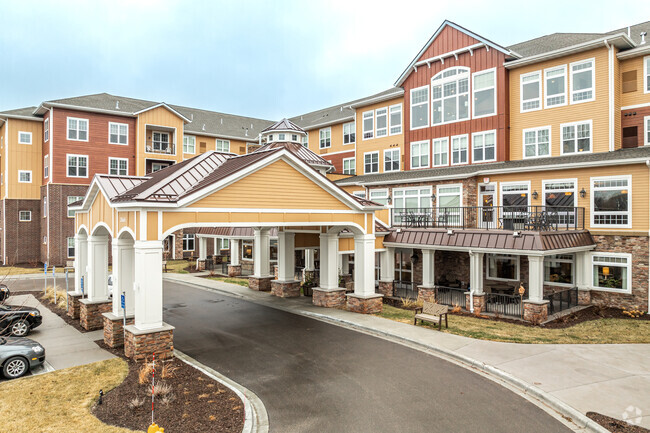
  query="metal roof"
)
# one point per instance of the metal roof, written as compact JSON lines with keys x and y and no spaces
{"x":299,"y":150}
{"x":235,"y":232}
{"x":284,"y":125}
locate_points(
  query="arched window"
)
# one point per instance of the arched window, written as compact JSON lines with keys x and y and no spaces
{"x":450,"y":96}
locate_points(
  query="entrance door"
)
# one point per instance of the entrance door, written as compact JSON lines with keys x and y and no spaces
{"x":487,"y":213}
{"x":404,"y":274}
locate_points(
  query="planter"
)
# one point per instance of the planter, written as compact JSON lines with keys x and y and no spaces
{"x":308,"y":291}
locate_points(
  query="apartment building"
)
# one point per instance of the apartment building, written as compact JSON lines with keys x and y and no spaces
{"x":540,"y":145}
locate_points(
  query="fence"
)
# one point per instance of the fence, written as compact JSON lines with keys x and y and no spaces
{"x":562,"y":300}
{"x":505,"y":305}
{"x":405,"y":289}
{"x":451,"y":296}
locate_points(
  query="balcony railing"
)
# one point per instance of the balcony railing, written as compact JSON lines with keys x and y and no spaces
{"x":516,"y":218}
{"x":161,"y":147}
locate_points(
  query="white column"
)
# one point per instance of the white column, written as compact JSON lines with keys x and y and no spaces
{"x":261,"y":252}
{"x":476,"y":272}
{"x":286,"y":256}
{"x":203,"y":247}
{"x":148,"y":284}
{"x":97,"y":274}
{"x":329,"y":278}
{"x":536,"y":278}
{"x":428,"y":268}
{"x":123,"y":275}
{"x":583,"y":271}
{"x":345,"y":264}
{"x":388,"y":265}
{"x":364,"y":265}
{"x":234,"y":252}
{"x":80,"y":262}
{"x":309,"y":259}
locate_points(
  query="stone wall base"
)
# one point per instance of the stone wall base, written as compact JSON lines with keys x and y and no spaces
{"x":285,"y":289}
{"x":479,"y":303}
{"x":584,"y":297}
{"x":200,"y":265}
{"x":234,"y":270}
{"x":387,"y":288}
{"x":365,"y":304}
{"x":262,"y":284}
{"x":328,"y":298}
{"x":535,"y":312}
{"x":90,"y":313}
{"x":114,"y":329}
{"x":141,"y":345}
{"x":73,"y":304}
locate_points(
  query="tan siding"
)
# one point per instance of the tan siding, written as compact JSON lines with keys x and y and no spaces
{"x":618,"y":87}
{"x":159,"y":117}
{"x":25,"y":157}
{"x":638,"y":97}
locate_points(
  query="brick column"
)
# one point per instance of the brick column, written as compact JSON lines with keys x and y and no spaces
{"x":427,"y":294}
{"x":114,"y":329}
{"x":261,"y":284}
{"x":386,"y":288}
{"x":140,"y":345}
{"x":74,"y":304}
{"x":535,"y":311}
{"x":90,"y":313}
{"x":368,"y":304}
{"x":234,"y":270}
{"x":584,"y":297}
{"x":479,"y":302}
{"x":285,"y":289}
{"x":329,"y":298}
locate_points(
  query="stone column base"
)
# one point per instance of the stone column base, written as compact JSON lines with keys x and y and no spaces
{"x":427,"y":294}
{"x":234,"y":270}
{"x":369,"y":304}
{"x":535,"y":312}
{"x":329,"y":298}
{"x":90,"y":313}
{"x":479,"y":302}
{"x":140,"y":345}
{"x":387,"y":288}
{"x":200,"y":265}
{"x":261,"y":284}
{"x":114,"y":329}
{"x":73,"y":304}
{"x":346,"y":282}
{"x":274,"y":270}
{"x":285,"y":289}
{"x":584,"y":297}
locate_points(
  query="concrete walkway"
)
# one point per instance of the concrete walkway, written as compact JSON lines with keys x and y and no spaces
{"x":613,"y":379}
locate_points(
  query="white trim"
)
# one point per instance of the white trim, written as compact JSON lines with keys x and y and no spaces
{"x":646,"y":60}
{"x":630,"y":107}
{"x":354,"y":165}
{"x":28,"y":134}
{"x":575,"y":124}
{"x":610,"y":73}
{"x":216,"y":145}
{"x":193,"y":137}
{"x":428,"y":103}
{"x":193,"y":235}
{"x":521,"y":91}
{"x":629,"y":202}
{"x":445,"y":140}
{"x":566,"y":86}
{"x":321,"y":139}
{"x":466,"y":74}
{"x":374,"y":152}
{"x":399,"y":161}
{"x":118,"y":166}
{"x":536,"y":130}
{"x":451,"y":147}
{"x":593,"y":80}
{"x":6,"y":181}
{"x":353,"y":125}
{"x":428,"y":147}
{"x":646,"y":131}
{"x":29,"y":212}
{"x":46,"y":166}
{"x":497,"y":255}
{"x":573,"y":270}
{"x":162,"y":104}
{"x":371,"y":131}
{"x":383,"y":131}
{"x":51,"y":152}
{"x":165,"y":130}
{"x":46,"y":129}
{"x":473,"y":92}
{"x":484,"y":133}
{"x":118,"y":133}
{"x":401,"y":121}
{"x":628,"y":266}
{"x":522,"y":182}
{"x":78,"y":119}
{"x":29,"y":172}
{"x":67,"y":164}
{"x":376,"y":99}
{"x":450,"y":185}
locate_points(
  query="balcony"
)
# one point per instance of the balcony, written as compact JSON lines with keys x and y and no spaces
{"x":160,"y":147}
{"x":514,"y":218}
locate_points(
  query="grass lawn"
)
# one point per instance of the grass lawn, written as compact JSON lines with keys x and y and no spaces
{"x":60,"y":401}
{"x":601,"y":331}
{"x":20,"y":270}
{"x":177,"y":266}
{"x":240,"y":281}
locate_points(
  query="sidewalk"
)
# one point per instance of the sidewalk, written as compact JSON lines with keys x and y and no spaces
{"x":610,"y":379}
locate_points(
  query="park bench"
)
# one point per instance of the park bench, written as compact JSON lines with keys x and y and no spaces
{"x":431,"y":312}
{"x":164,"y":263}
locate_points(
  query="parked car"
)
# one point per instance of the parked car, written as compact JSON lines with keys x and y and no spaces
{"x":4,"y":292}
{"x":18,"y":355}
{"x":18,"y":320}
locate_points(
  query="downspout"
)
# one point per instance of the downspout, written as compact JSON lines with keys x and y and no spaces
{"x":610,"y":74}
{"x":471,"y":286}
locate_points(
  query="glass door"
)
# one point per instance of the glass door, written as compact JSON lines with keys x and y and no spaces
{"x":487,"y":213}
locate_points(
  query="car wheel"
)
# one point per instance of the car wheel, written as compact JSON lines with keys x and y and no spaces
{"x":20,"y":328}
{"x":15,"y":367}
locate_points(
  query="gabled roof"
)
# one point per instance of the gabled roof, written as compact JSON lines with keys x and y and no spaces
{"x":300,"y":151}
{"x":21,"y":113}
{"x":216,"y":124}
{"x":162,"y":104}
{"x":283,"y":125}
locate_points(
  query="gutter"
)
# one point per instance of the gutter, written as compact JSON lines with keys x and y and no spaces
{"x":79,"y":108}
{"x":378,"y":99}
{"x":633,"y":52}
{"x":15,"y":116}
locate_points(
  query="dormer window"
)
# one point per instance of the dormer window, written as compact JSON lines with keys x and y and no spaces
{"x":270,"y":137}
{"x":294,"y":137}
{"x":281,"y":137}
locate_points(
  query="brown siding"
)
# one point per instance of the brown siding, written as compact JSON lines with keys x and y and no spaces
{"x":634,"y":117}
{"x":23,"y":238}
{"x":337,"y":160}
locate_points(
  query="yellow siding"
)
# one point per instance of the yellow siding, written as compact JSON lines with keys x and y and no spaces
{"x":618,"y":88}
{"x":81,"y":219}
{"x":152,"y":225}
{"x":597,"y":110}
{"x":3,"y":129}
{"x":24,"y":157}
{"x":336,"y":140}
{"x":236,"y":146}
{"x":126,"y":219}
{"x":638,"y":97}
{"x":346,"y":244}
{"x":379,"y":242}
{"x":157,"y":117}
{"x":101,"y":211}
{"x":276,"y":186}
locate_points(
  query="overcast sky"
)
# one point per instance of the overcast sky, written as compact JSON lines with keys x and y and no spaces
{"x":267,"y":59}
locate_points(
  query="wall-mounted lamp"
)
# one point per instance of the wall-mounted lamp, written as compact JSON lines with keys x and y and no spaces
{"x":433,"y":197}
{"x":390,"y":200}
{"x":535,"y":194}
{"x":583,"y":193}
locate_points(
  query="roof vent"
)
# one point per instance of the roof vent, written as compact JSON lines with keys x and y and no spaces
{"x":203,"y":129}
{"x":117,"y":105}
{"x":629,"y":31}
{"x":251,"y":126}
{"x":192,"y":117}
{"x":222,"y":120}
{"x":246,"y":133}
{"x":341,"y":109}
{"x":643,"y":35}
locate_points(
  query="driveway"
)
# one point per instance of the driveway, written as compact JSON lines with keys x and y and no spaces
{"x":317,"y":377}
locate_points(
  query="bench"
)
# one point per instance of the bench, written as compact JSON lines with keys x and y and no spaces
{"x":431,"y":312}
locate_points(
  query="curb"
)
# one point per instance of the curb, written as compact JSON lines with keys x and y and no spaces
{"x":256,"y":419}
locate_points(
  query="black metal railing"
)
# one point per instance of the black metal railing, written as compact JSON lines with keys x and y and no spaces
{"x":162,"y":147}
{"x":405,"y":289}
{"x":562,"y":300}
{"x":516,"y":218}
{"x":505,"y":305}
{"x":451,"y":296}
{"x":224,"y":267}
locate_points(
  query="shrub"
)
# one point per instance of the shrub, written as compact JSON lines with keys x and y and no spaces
{"x":144,"y":373}
{"x":162,"y":389}
{"x":136,"y":402}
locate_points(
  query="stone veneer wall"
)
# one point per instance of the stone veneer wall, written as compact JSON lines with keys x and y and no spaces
{"x":90,"y":314}
{"x":141,"y":347}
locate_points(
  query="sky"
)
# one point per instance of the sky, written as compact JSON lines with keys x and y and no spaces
{"x":265,"y":59}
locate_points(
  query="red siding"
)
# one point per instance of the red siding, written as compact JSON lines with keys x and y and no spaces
{"x":46,"y":148}
{"x":337,"y":160}
{"x":97,"y":147}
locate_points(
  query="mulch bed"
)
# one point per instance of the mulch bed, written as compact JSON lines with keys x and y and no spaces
{"x":614,"y":425}
{"x":196,"y":403}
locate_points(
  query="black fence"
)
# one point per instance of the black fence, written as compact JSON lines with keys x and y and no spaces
{"x":562,"y":300}
{"x":451,"y":296}
{"x":505,"y":305}
{"x":405,"y":289}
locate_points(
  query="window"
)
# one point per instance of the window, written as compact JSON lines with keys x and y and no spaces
{"x":189,"y":144}
{"x":281,"y":137}
{"x":77,"y":166}
{"x":25,"y":215}
{"x":612,"y":272}
{"x":502,"y":267}
{"x":576,"y":137}
{"x":118,"y":133}
{"x":44,"y":240}
{"x":349,"y":133}
{"x":155,"y":166}
{"x":646,"y":74}
{"x":484,"y":86}
{"x":531,"y":91}
{"x":73,"y":199}
{"x":77,"y":129}
{"x":558,"y":270}
{"x":391,"y":160}
{"x":450,"y":96}
{"x":118,"y":166}
{"x":555,"y":86}
{"x":270,"y":138}
{"x":360,"y":194}
{"x":46,"y":130}
{"x":305,"y":140}
{"x":646,"y":134}
{"x":537,"y":142}
{"x":222,"y":145}
{"x":459,"y":149}
{"x":484,"y":146}
{"x":368,"y":125}
{"x":611,"y":201}
{"x":325,"y":138}
{"x":560,"y":198}
{"x":395,"y":112}
{"x":247,"y":250}
{"x":379,"y":196}
{"x":412,"y":198}
{"x":514,"y":196}
{"x":44,"y":207}
{"x":349,"y":166}
{"x":582,"y":81}
{"x":24,"y":176}
{"x":440,"y":152}
{"x":381,"y":119}
{"x":161,"y":141}
{"x":420,"y":107}
{"x":46,"y":166}
{"x":371,"y":162}
{"x":70,"y":247}
{"x":420,"y":154}
{"x":294,"y":137}
{"x":448,"y":202}
{"x":24,"y":137}
{"x":273,"y":250}
{"x":188,"y":242}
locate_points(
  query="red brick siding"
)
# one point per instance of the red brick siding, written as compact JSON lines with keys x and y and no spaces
{"x":22,"y":238}
{"x":337,"y":160}
{"x":635,"y":117}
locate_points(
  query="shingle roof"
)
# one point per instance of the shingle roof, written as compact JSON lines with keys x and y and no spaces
{"x":222,"y":124}
{"x":300,"y":151}
{"x":23,"y":112}
{"x":105,"y":101}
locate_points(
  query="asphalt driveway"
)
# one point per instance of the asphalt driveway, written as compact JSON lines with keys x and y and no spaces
{"x":317,"y":377}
